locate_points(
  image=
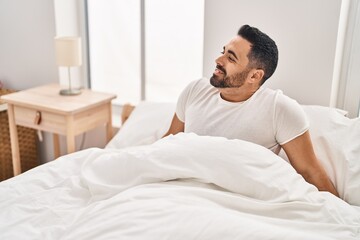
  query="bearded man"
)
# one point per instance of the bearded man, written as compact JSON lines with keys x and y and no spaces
{"x":235,"y":105}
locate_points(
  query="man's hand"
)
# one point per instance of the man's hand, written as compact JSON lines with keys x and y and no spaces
{"x":302,"y":157}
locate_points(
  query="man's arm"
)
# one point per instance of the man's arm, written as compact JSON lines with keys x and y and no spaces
{"x":176,"y":126}
{"x":302,"y":157}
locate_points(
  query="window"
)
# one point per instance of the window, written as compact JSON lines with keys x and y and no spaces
{"x":347,"y":88}
{"x":172,"y":52}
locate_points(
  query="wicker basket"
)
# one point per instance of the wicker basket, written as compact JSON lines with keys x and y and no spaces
{"x":27,"y":145}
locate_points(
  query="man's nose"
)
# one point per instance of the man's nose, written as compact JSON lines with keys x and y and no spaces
{"x":219,"y":60}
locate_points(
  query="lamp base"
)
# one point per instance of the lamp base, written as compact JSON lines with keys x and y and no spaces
{"x":69,"y":92}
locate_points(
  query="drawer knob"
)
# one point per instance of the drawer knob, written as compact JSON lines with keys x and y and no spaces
{"x":37,"y":119}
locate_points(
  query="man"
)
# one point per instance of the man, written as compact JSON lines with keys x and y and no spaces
{"x":235,"y":105}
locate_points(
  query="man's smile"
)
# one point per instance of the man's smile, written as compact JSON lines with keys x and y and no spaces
{"x":219,"y":70}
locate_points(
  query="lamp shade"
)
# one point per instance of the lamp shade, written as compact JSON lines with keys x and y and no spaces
{"x":68,"y":51}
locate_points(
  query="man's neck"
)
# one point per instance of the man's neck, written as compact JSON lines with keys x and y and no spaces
{"x":237,"y":94}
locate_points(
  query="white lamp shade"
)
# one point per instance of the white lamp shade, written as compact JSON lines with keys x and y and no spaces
{"x":68,"y":51}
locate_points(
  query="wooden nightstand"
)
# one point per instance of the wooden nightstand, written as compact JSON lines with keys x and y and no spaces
{"x":42,"y":108}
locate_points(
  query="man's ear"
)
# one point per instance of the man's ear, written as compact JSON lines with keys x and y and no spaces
{"x":256,"y":75}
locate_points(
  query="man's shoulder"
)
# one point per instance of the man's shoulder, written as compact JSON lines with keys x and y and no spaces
{"x":277,"y":94}
{"x":277,"y":99}
{"x":267,"y":95}
{"x":270,"y":91}
{"x":285,"y":103}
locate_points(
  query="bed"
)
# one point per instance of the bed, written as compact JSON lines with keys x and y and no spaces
{"x":186,"y":186}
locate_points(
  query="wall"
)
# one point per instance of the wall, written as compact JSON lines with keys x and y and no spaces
{"x":306,"y":40}
{"x":27,"y":29}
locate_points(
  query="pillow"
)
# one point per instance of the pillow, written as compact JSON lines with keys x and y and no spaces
{"x":336,"y":141}
{"x":148,"y":122}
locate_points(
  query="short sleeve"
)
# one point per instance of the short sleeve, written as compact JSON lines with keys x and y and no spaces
{"x":290,"y":120}
{"x":184,"y":99}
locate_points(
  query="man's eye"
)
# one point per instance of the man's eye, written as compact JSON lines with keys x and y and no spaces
{"x":231,"y":59}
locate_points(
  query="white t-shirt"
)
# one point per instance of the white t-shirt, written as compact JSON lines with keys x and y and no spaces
{"x":267,"y":118}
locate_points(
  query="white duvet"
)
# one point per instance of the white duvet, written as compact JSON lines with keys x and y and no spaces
{"x":181,"y":187}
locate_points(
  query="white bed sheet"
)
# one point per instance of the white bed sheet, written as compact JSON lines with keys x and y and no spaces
{"x":181,"y":187}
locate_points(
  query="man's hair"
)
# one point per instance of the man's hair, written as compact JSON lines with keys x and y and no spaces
{"x":263,"y":53}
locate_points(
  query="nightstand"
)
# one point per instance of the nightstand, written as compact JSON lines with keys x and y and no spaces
{"x":42,"y":108}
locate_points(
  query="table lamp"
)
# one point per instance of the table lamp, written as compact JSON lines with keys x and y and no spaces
{"x":68,"y":54}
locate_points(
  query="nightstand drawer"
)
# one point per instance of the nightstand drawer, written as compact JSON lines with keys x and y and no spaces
{"x":49,"y":121}
{"x":91,"y":118}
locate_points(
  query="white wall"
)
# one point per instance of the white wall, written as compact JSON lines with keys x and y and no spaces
{"x":305,"y":32}
{"x":27,"y":29}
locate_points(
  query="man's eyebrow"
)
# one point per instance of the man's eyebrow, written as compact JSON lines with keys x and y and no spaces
{"x":231,"y":52}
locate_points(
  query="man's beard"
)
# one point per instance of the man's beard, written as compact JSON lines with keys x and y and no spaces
{"x":234,"y":81}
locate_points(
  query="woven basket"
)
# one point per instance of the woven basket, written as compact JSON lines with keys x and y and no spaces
{"x":27,"y":145}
